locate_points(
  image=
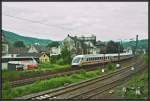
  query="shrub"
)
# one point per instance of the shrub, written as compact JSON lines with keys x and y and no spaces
{"x":60,"y":62}
{"x":6,"y":85}
{"x":111,"y":66}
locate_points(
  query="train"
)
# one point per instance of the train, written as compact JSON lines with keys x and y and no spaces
{"x":98,"y":59}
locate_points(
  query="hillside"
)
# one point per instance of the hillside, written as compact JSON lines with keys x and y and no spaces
{"x":141,"y":44}
{"x":12,"y":37}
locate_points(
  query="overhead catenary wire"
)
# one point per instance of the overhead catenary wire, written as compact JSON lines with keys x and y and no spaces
{"x":38,"y":22}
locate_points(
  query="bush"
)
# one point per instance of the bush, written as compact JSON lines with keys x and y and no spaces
{"x":111,"y":66}
{"x":60,"y":62}
{"x":6,"y":85}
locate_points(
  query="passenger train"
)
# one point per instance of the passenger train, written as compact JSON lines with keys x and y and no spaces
{"x":96,"y":59}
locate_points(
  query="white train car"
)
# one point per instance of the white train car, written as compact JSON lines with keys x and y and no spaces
{"x":94,"y":59}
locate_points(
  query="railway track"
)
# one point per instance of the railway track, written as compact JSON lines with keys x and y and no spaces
{"x":105,"y":86}
{"x":78,"y":90}
{"x":31,"y":80}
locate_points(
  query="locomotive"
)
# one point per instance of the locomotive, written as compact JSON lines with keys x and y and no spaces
{"x":96,"y":59}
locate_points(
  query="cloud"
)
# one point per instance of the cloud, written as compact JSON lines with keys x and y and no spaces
{"x":54,"y":20}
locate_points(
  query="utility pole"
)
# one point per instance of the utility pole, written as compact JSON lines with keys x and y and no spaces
{"x":136,"y":43}
{"x":118,"y":52}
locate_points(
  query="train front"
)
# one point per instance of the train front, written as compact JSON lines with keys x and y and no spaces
{"x":76,"y":61}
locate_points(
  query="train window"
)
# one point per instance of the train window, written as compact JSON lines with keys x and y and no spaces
{"x":76,"y":60}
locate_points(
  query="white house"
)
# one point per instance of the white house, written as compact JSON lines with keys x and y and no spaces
{"x":32,"y":49}
{"x":55,"y":50}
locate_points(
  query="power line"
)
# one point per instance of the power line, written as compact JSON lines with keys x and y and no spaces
{"x":37,"y":22}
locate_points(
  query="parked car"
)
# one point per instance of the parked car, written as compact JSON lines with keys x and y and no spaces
{"x":19,"y":67}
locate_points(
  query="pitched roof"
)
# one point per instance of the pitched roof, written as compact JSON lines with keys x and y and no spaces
{"x":13,"y":50}
{"x":41,"y":48}
{"x":30,"y":55}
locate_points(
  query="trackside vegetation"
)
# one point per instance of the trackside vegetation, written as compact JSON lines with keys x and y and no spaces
{"x":140,"y":80}
{"x":133,"y":84}
{"x":42,"y":69}
{"x":38,"y":86}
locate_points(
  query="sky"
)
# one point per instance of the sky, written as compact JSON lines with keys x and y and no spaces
{"x":55,"y":20}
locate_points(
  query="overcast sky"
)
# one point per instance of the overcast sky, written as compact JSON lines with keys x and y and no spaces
{"x":54,"y":20}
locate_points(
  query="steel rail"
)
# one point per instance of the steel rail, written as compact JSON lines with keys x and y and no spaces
{"x":100,"y":88}
{"x":31,"y":80}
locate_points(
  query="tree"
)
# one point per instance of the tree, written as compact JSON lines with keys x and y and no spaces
{"x":53,"y":44}
{"x":19,"y":44}
{"x":66,"y":55}
{"x":114,"y":47}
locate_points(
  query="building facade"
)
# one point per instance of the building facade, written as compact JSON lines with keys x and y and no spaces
{"x":81,"y":45}
{"x":44,"y":58}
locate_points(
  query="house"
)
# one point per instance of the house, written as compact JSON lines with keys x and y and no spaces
{"x":38,"y":49}
{"x":14,"y":51}
{"x":39,"y":57}
{"x":80,"y":45}
{"x":55,"y":50}
{"x":4,"y":46}
{"x":100,"y":47}
{"x":44,"y":57}
{"x":128,"y":50}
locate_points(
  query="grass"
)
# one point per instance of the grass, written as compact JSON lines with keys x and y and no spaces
{"x":52,"y":83}
{"x":136,"y":81}
{"x":48,"y":84}
{"x":43,"y":67}
{"x":38,"y":86}
{"x":146,"y":58}
{"x":53,"y":67}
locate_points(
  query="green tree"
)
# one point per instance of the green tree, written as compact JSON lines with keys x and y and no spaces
{"x":19,"y":44}
{"x":53,"y":44}
{"x":66,"y":55}
{"x":114,"y":47}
